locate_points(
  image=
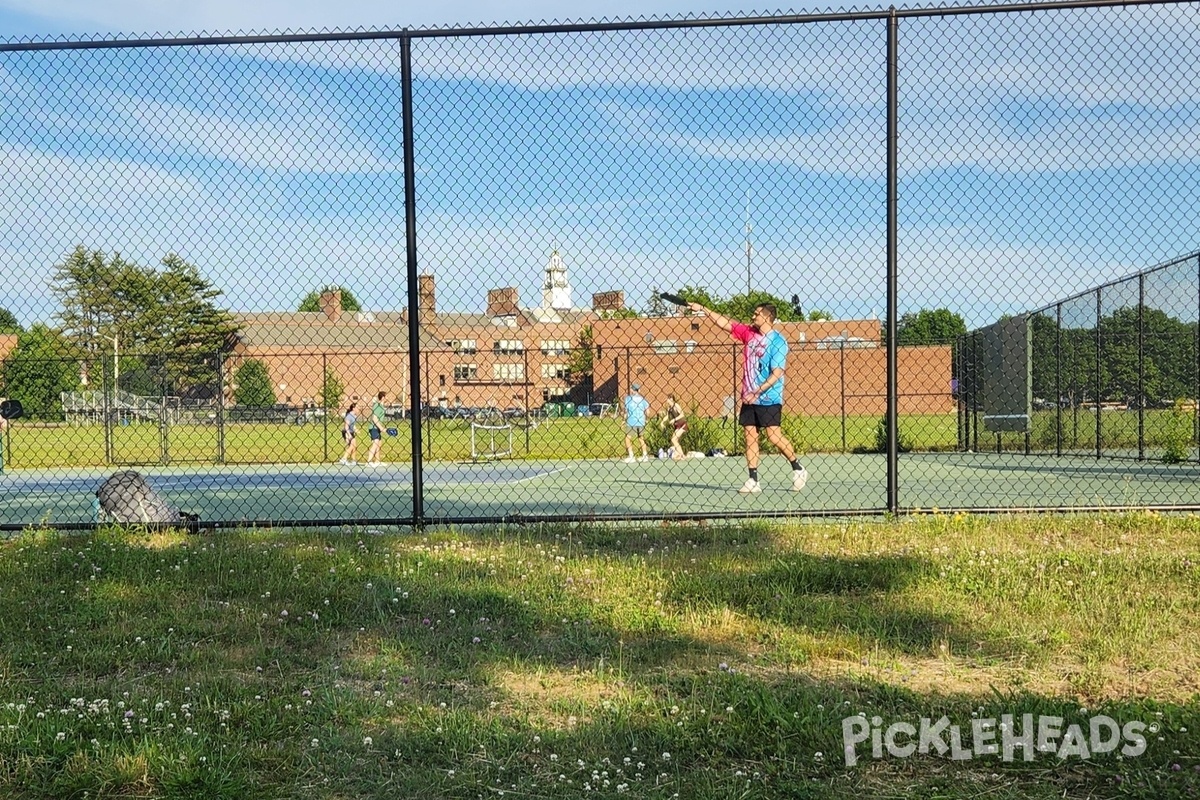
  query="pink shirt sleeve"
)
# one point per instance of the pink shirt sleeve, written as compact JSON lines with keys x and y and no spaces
{"x":741,"y":332}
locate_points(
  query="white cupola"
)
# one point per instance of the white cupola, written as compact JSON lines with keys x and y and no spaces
{"x":556,"y":290}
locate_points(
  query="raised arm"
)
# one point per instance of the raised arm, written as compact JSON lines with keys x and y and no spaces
{"x":720,"y":319}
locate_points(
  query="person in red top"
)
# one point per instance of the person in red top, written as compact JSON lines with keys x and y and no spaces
{"x":764,"y":359}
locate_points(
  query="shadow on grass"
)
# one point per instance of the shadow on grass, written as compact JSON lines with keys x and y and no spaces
{"x":835,"y":595}
{"x":380,"y":633}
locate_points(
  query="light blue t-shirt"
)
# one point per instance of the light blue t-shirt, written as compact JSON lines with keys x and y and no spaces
{"x":636,"y":407}
{"x":774,"y":357}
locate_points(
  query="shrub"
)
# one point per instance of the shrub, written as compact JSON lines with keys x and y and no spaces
{"x":1177,"y":438}
{"x":881,"y":437}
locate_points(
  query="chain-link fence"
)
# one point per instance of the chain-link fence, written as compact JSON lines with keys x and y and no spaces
{"x":1109,"y":373}
{"x":415,"y":276}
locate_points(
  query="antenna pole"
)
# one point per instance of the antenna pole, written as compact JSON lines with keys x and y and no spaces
{"x":749,"y":248}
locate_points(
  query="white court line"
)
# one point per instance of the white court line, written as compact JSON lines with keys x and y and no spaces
{"x":543,"y":474}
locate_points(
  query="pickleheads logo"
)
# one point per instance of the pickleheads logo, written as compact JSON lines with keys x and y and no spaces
{"x":990,"y":737}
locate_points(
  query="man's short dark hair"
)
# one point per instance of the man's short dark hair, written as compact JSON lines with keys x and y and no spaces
{"x":770,"y":310}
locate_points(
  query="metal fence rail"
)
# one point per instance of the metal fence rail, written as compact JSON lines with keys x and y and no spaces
{"x":217,"y":244}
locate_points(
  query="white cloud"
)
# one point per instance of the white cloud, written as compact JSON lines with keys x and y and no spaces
{"x":132,"y":16}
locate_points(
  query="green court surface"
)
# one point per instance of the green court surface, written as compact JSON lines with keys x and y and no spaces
{"x":838,"y":483}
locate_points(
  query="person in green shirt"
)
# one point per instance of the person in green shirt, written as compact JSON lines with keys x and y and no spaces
{"x":375,"y":428}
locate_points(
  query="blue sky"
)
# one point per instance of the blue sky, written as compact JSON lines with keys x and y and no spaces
{"x":1062,"y":155}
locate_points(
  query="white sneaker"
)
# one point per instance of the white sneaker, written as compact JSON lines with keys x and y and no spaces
{"x":644,"y":458}
{"x":630,"y":460}
{"x":344,"y":463}
{"x":750,"y":487}
{"x":799,"y":478}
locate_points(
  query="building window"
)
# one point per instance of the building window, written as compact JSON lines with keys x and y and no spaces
{"x":508,"y":372}
{"x":666,"y":346}
{"x":555,"y":347}
{"x":441,"y":380}
{"x":465,"y":372}
{"x":508,"y":347}
{"x":463,"y":346}
{"x":551,"y":393}
{"x":556,"y":371}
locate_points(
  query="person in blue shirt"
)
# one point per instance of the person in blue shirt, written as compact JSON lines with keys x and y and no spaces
{"x":636,"y":408}
{"x":764,"y":360}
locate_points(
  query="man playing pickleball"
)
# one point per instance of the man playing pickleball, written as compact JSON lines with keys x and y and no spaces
{"x":764,"y":359}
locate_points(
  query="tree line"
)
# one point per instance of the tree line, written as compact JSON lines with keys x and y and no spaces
{"x":1074,"y":364}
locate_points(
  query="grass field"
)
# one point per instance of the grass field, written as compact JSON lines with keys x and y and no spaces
{"x":561,"y":662}
{"x":40,"y":446}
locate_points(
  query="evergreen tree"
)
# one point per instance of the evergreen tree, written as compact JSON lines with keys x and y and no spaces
{"x":331,"y":390}
{"x":167,"y":318}
{"x":8,"y":322}
{"x":253,"y":385}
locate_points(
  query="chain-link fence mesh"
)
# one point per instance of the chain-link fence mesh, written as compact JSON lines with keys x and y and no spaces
{"x":209,"y":278}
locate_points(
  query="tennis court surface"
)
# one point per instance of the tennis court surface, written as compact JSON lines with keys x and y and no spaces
{"x":532,"y":490}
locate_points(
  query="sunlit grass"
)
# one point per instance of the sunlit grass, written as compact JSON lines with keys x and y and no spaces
{"x":566,"y":661}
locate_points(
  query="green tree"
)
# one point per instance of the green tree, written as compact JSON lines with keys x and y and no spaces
{"x":312,"y":300}
{"x":698,"y":294}
{"x":332,"y":389}
{"x":43,"y":366}
{"x":657,"y":307}
{"x":8,"y":322}
{"x":166,"y":317}
{"x":1167,"y":363}
{"x":936,"y":326}
{"x":253,"y":385}
{"x":580,"y":360}
{"x":741,"y":306}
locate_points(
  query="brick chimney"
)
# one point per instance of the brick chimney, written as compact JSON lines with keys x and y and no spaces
{"x":608,"y":301}
{"x":331,"y":304}
{"x":426,"y":301}
{"x":502,"y":302}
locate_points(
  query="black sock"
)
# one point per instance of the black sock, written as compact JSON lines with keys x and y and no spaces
{"x":796,"y":464}
{"x":753,"y":473}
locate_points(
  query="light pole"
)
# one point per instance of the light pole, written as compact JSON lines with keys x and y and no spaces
{"x":116,"y":368}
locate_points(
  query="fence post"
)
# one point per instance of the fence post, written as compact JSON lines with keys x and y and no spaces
{"x":325,"y":406}
{"x":108,"y":406}
{"x":1141,"y":381}
{"x":220,"y":408}
{"x":842,"y":367}
{"x":1058,"y":425}
{"x":410,"y":237}
{"x":1099,"y":359}
{"x":893,"y":423}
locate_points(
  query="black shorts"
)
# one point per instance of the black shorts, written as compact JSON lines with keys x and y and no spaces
{"x":755,"y":416}
{"x":376,"y":434}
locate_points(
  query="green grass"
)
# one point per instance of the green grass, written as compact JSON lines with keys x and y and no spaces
{"x":33,"y":446}
{"x":569,"y":661}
